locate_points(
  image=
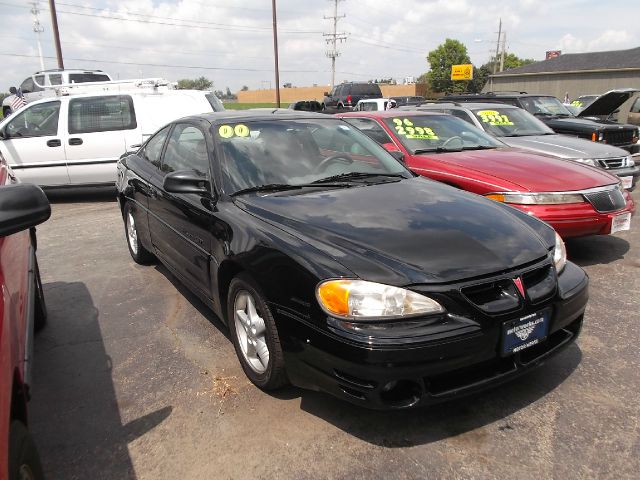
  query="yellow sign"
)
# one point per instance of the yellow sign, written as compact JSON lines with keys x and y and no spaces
{"x":462,"y":72}
{"x":228,"y":131}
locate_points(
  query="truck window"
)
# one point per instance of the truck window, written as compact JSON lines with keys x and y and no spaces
{"x":101,"y":114}
{"x":40,"y":120}
{"x":55,"y":79}
{"x":88,"y":77}
{"x":27,"y":86}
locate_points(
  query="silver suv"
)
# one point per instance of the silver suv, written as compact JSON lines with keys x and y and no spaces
{"x":35,"y":87}
{"x":518,"y":128}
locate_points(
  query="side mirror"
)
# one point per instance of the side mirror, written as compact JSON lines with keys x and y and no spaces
{"x":13,"y":90}
{"x":398,"y":155}
{"x":186,"y":181}
{"x":390,"y":147}
{"x":22,"y":206}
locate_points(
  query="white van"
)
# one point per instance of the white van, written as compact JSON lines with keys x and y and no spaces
{"x":77,"y":140}
{"x":40,"y":84}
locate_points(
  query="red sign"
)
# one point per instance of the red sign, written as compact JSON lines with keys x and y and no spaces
{"x":553,"y":54}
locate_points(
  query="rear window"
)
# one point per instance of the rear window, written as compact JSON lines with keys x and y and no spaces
{"x":366,"y":89}
{"x":88,"y":77}
{"x":101,"y":114}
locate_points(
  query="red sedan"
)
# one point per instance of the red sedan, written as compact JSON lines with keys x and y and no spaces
{"x":577,"y":200}
{"x":22,"y":309}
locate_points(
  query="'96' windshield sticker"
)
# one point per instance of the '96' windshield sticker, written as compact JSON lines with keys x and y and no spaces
{"x":228,"y":131}
{"x":494,"y":118}
{"x":406,"y":128}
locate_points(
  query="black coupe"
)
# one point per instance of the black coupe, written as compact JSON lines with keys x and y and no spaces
{"x":335,"y":268}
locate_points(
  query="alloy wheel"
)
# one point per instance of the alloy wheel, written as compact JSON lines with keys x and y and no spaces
{"x":251,"y":332}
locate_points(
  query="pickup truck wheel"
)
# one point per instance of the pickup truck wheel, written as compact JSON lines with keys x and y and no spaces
{"x":6,"y":111}
{"x":40,"y":316}
{"x":139,"y":254}
{"x":254,"y":334}
{"x":24,"y":462}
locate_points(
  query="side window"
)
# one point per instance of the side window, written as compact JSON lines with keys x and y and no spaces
{"x":371,"y":129}
{"x":636,"y":106}
{"x":152,"y":150}
{"x":101,"y":114}
{"x":40,"y":120}
{"x":39,"y":80}
{"x":27,"y":85}
{"x":55,"y":79}
{"x":460,"y":114}
{"x":186,"y":150}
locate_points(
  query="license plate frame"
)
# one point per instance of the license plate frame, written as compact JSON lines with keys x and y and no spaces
{"x":621,"y":222}
{"x":524,"y":332}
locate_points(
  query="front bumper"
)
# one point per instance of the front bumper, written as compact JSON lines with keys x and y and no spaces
{"x":577,"y":219}
{"x":453,"y":364}
{"x":633,"y":172}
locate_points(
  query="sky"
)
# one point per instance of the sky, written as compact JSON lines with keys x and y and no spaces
{"x":231,"y":42}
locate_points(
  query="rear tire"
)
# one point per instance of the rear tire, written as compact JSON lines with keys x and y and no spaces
{"x":254,"y":334}
{"x":139,"y":254}
{"x":24,"y":462}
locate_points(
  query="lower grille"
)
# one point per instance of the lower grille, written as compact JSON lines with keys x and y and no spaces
{"x":611,"y":162}
{"x":607,"y":201}
{"x":619,"y":137}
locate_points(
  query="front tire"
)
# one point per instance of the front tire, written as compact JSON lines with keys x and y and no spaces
{"x":24,"y":462}
{"x":254,"y":334}
{"x":139,"y":254}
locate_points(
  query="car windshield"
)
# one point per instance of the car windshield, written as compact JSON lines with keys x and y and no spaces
{"x":300,"y":152}
{"x":510,"y":122}
{"x":545,"y":106}
{"x":436,"y":133}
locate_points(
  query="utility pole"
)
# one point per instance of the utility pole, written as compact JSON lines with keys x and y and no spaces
{"x":275,"y":50}
{"x":495,"y":60}
{"x":332,"y":40}
{"x":504,"y":43}
{"x":38,"y":29}
{"x":56,"y":33}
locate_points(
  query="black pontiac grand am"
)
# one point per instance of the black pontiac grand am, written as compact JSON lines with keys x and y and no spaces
{"x":337,"y":269}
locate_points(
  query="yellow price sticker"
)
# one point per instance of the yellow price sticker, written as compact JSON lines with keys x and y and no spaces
{"x":494,"y":118}
{"x":405,"y":127}
{"x":228,"y":131}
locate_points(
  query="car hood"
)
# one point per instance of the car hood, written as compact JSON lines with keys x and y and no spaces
{"x":407,"y":232}
{"x":564,"y":146}
{"x":522,"y":170}
{"x":607,"y":103}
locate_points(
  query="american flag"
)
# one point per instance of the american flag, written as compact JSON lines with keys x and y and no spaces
{"x":18,"y":101}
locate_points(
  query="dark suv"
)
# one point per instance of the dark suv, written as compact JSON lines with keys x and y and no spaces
{"x":552,"y":112}
{"x":346,"y":95}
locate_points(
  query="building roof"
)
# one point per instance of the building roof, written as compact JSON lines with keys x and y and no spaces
{"x":571,"y":62}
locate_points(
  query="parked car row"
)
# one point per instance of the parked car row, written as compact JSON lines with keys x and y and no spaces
{"x":337,"y":268}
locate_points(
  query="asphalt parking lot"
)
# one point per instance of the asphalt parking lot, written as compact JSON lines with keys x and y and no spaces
{"x":136,"y":379}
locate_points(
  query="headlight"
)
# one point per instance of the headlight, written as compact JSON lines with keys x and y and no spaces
{"x":361,"y":300}
{"x":536,"y":198}
{"x":559,"y":254}
{"x":628,"y":161}
{"x":587,"y":161}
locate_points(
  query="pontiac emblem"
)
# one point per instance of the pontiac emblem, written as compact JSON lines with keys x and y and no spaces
{"x":518,"y":283}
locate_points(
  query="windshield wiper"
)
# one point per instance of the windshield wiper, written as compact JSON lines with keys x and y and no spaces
{"x":354,"y":176}
{"x":479,"y":147}
{"x":280,"y":187}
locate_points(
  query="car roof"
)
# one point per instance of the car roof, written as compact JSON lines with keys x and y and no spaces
{"x":256,"y":114}
{"x":387,"y":113}
{"x":467,"y":105}
{"x":496,"y":95}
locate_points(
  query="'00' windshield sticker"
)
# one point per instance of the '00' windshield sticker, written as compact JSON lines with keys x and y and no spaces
{"x":407,"y":129}
{"x":228,"y":131}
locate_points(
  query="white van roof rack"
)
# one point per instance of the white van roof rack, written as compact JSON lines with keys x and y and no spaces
{"x":144,"y":84}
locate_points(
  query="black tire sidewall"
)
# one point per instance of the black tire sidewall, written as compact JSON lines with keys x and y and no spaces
{"x":273,"y":377}
{"x":22,"y":451}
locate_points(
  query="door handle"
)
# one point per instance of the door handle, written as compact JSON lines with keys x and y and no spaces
{"x":75,"y":141}
{"x":54,"y":143}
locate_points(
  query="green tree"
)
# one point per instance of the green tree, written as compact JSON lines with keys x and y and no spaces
{"x":200,"y":83}
{"x":511,"y":60}
{"x":244,"y":88}
{"x":451,"y":52}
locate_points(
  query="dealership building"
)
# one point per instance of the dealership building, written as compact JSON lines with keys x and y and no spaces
{"x":573,"y":73}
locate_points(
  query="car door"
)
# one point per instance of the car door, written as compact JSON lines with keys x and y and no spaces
{"x":31,"y":142}
{"x":96,"y":136}
{"x":180,"y":224}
